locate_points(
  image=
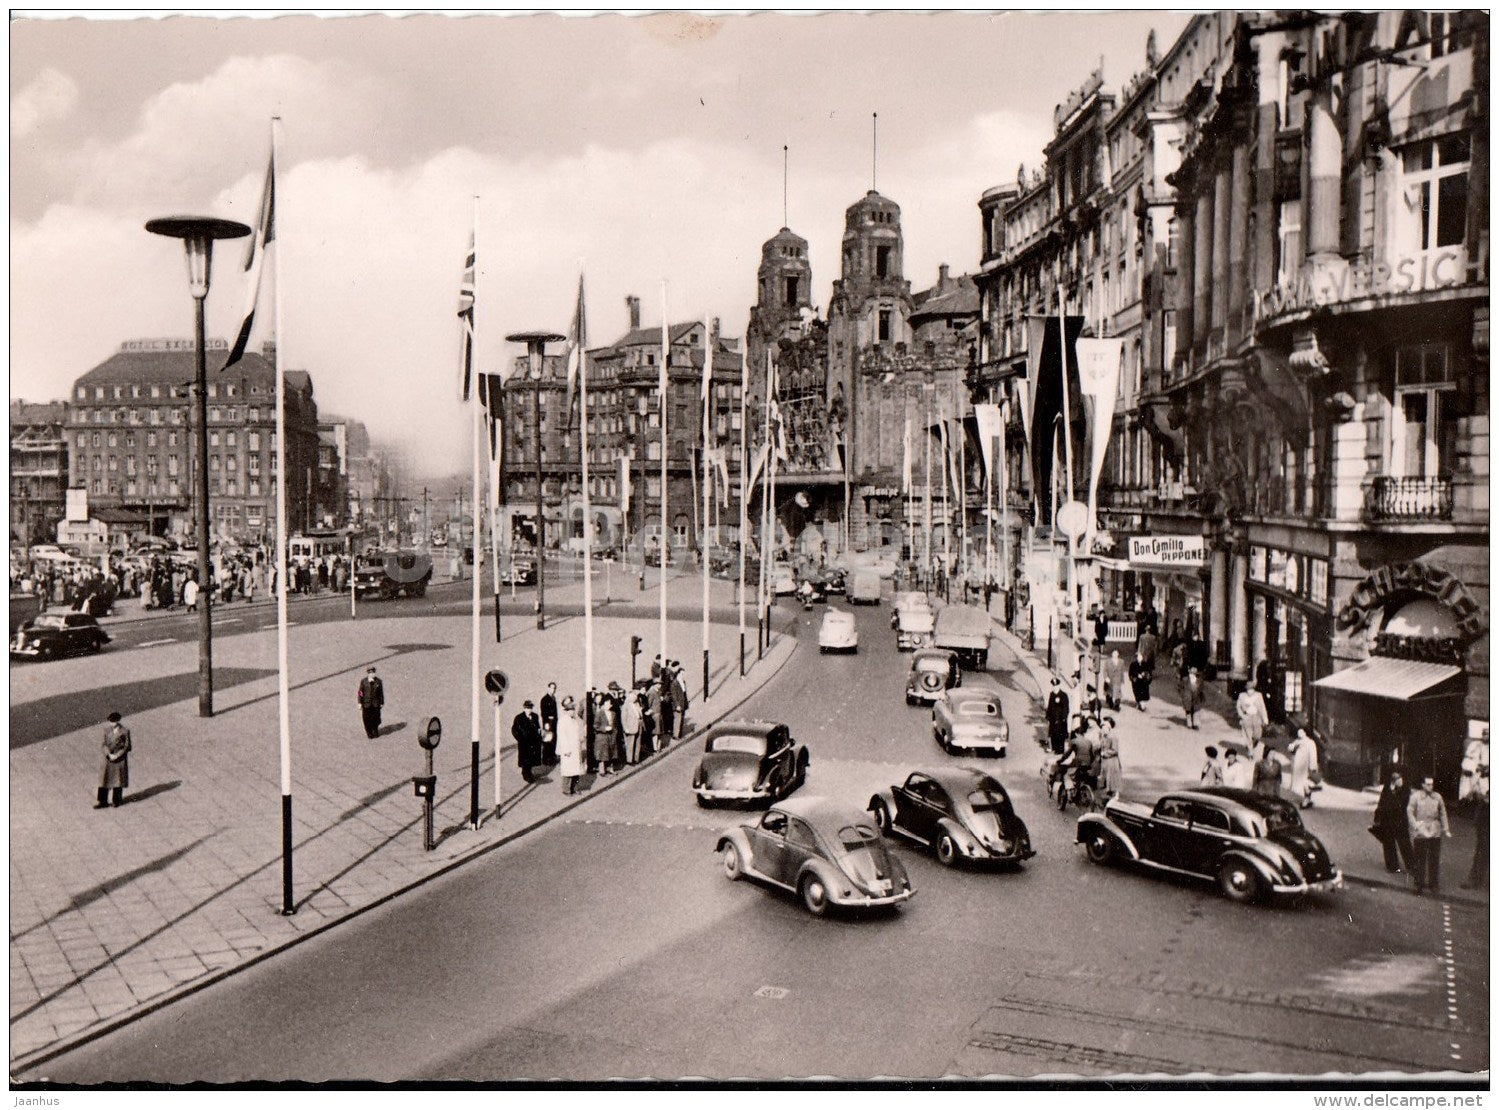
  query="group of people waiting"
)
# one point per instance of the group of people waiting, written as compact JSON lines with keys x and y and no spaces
{"x":609,"y":730}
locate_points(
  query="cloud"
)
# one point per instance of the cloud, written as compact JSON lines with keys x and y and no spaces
{"x":50,"y":95}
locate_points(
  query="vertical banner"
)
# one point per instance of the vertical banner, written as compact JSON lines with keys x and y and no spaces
{"x":1098,"y":363}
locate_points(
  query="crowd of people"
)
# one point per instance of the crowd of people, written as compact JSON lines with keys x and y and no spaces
{"x":609,"y":729}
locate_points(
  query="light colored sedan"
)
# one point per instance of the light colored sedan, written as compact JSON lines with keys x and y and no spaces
{"x":782,"y":581}
{"x":839,"y":632}
{"x":970,"y":721}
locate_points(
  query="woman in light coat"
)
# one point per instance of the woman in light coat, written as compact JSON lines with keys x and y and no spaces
{"x":1110,"y":773}
{"x":1253,"y":717}
{"x":570,"y":755}
{"x":1303,"y":751}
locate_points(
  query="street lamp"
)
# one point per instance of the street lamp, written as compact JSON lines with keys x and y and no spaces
{"x":197,"y":234}
{"x":536,"y":342}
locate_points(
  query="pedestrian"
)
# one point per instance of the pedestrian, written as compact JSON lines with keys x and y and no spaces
{"x":656,"y":668}
{"x":630,"y":720}
{"x":549,"y":725}
{"x":1267,"y":774}
{"x":1100,"y":629}
{"x":1058,"y":712}
{"x":603,"y":734}
{"x":570,"y":754}
{"x":1427,"y":814}
{"x":116,"y":774}
{"x":371,"y":702}
{"x":1304,"y":768}
{"x":1212,"y":770}
{"x":1474,"y":790}
{"x":1147,"y":646}
{"x":190,"y":594}
{"x":667,"y":710}
{"x":526,"y":728}
{"x":656,"y":709}
{"x":1113,"y":679}
{"x":1238,"y":774}
{"x":1140,"y":674}
{"x":1391,"y":825}
{"x":678,"y":701}
{"x":1110,"y":773}
{"x":1253,"y":716}
{"x":1192,"y":695}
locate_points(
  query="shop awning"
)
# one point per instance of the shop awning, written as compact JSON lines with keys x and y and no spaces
{"x":1400,"y":679}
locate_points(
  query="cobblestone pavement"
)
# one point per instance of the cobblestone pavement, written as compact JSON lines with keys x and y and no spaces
{"x":114,"y":912}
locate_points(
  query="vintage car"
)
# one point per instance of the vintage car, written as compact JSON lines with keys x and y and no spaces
{"x":970,"y":720}
{"x":782,"y":580}
{"x":823,"y":851}
{"x":749,"y":761}
{"x":839,"y":632}
{"x":51,"y":634}
{"x":959,"y":812}
{"x":520,"y":572}
{"x":864,"y":587}
{"x":389,"y":574}
{"x":933,"y":672}
{"x":1252,"y":844}
{"x":906,"y":599}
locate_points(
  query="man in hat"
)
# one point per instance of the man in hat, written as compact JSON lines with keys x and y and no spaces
{"x":1058,"y":713}
{"x":549,"y":725}
{"x":371,"y":701}
{"x":527,"y":732}
{"x":570,"y":754}
{"x":116,"y":774}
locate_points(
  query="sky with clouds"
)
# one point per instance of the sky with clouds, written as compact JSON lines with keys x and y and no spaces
{"x":642,"y":149}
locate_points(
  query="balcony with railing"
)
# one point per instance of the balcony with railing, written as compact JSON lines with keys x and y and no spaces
{"x":1409,"y":499}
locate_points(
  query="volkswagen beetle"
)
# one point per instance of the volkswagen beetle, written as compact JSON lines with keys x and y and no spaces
{"x":969,"y":720}
{"x":1253,"y":845}
{"x":826,"y":853}
{"x":933,"y":672}
{"x":749,"y":761}
{"x":839,"y":632}
{"x":959,"y":812}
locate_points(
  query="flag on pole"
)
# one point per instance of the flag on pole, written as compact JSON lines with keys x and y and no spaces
{"x":577,"y":351}
{"x":624,"y":485}
{"x":905,"y":467}
{"x":466,"y":317}
{"x":990,"y":422}
{"x":490,"y":387}
{"x":265,"y":233}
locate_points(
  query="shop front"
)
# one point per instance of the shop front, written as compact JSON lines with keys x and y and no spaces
{"x":1290,"y":630}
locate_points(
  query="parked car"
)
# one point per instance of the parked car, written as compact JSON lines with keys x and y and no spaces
{"x":969,"y":720}
{"x":839,"y":632}
{"x":52,"y":634}
{"x":825,"y":852}
{"x":933,"y":671}
{"x":749,"y":761}
{"x":864,"y":587}
{"x":1253,"y":845}
{"x":782,"y":580}
{"x":959,"y":812}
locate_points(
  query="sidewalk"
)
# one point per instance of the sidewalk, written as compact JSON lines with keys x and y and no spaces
{"x":118,"y":911}
{"x":1158,"y":752}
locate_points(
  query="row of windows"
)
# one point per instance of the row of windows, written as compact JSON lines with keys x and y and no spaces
{"x":114,"y":439}
{"x":224,"y":487}
{"x":216,"y":415}
{"x":156,"y":391}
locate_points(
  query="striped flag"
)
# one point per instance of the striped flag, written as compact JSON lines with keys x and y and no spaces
{"x":265,"y":233}
{"x":577,"y":353}
{"x":490,"y":396}
{"x":466,"y":317}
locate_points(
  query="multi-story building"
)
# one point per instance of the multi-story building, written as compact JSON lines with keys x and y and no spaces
{"x":624,"y":440}
{"x":1304,"y":396}
{"x":132,"y":445}
{"x":38,"y":471}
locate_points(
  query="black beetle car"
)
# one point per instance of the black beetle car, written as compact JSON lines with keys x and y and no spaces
{"x":749,"y":761}
{"x":52,"y":634}
{"x":959,"y":812}
{"x":1251,"y":844}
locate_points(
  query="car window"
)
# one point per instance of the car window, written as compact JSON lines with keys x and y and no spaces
{"x":1209,"y":817}
{"x":800,"y":834}
{"x":47,"y":621}
{"x":736,"y":742}
{"x":978,"y":709}
{"x":1172,"y":809}
{"x":857,"y":836}
{"x":935,"y":665}
{"x":1282,"y":817}
{"x":931,"y":792}
{"x":774,"y":821}
{"x":915,"y":781}
{"x":989,"y":797}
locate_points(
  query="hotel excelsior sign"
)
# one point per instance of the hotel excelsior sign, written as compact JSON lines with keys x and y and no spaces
{"x":1318,"y":285}
{"x":1167,"y":551}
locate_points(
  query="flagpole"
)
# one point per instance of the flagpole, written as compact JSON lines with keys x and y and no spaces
{"x":1004,"y":494}
{"x":283,"y":669}
{"x":962,"y":477}
{"x":665,"y":383}
{"x":582,"y":350}
{"x":743,"y":492}
{"x":1067,"y":431}
{"x":475,"y":680}
{"x":926,"y":571}
{"x":708,"y":345}
{"x":988,"y":512}
{"x":767,"y":544}
{"x":946,"y":504}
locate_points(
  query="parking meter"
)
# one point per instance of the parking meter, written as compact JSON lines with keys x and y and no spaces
{"x":425,"y":786}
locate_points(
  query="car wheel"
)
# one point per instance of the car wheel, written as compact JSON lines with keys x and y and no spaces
{"x":1061,"y":796}
{"x":733,"y":866}
{"x":1100,"y":847}
{"x":881,"y":817}
{"x":814,"y":895}
{"x":1239,"y":881}
{"x":801,"y":771}
{"x":947,"y":851}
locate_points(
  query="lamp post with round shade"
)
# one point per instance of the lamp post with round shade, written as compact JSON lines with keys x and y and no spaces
{"x":536,"y":342}
{"x":198,"y":234}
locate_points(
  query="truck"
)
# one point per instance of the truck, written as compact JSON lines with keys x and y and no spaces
{"x":964,"y":630}
{"x":389,"y":574}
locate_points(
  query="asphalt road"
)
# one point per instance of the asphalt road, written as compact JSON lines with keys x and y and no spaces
{"x":609,"y":944}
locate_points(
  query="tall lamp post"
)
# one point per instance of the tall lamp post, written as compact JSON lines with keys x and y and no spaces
{"x":198,"y":234}
{"x":536,"y":342}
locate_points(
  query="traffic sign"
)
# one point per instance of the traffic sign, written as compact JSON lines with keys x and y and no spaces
{"x":1072,"y":519}
{"x":431,"y":734}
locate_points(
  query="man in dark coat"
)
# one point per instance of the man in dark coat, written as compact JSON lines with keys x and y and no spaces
{"x":116,"y":775}
{"x":371,"y":701}
{"x":1058,"y":711}
{"x":1391,"y":825}
{"x":667,"y":731}
{"x":527,"y":732}
{"x":1140,"y":672}
{"x":549,"y":725}
{"x":678,"y":700}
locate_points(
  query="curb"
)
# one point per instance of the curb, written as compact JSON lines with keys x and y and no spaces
{"x":78,"y":1040}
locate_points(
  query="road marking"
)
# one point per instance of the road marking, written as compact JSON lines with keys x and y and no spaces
{"x":772,"y":992}
{"x":156,"y":643}
{"x":230,"y":620}
{"x":1451,"y":968}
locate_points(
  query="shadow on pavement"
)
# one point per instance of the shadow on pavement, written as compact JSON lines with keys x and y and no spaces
{"x":394,"y":649}
{"x":151,"y":791}
{"x":386,"y":730}
{"x":58,"y":714}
